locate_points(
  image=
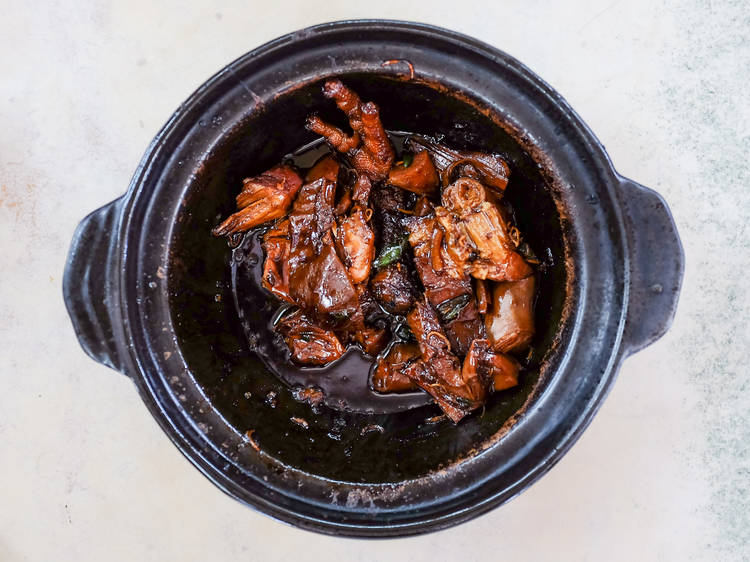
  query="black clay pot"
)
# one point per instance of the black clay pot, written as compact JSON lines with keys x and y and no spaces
{"x":150,"y":291}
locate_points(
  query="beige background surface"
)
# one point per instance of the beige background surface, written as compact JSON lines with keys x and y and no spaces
{"x":662,"y":473}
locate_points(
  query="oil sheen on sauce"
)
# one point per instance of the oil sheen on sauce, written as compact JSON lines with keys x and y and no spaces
{"x":345,"y":382}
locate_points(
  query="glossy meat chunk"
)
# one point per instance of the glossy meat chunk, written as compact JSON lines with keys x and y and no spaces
{"x":483,"y":295}
{"x":308,"y":343}
{"x":440,"y":274}
{"x":321,"y":286}
{"x":490,"y":169}
{"x":510,"y":320}
{"x":393,"y":288}
{"x":263,"y":198}
{"x":311,"y":219}
{"x":327,"y":167}
{"x":439,"y":370}
{"x":372,"y":339}
{"x":423,"y":207}
{"x":477,"y":235}
{"x":462,"y":323}
{"x":419,"y":177}
{"x":318,"y":281}
{"x":277,"y":247}
{"x":356,"y":243}
{"x":389,"y":376}
{"x":446,"y":287}
{"x":484,"y":363}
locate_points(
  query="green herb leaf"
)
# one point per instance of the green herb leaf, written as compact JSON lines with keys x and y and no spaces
{"x":407,"y":159}
{"x":389,"y":255}
{"x":450,"y":309}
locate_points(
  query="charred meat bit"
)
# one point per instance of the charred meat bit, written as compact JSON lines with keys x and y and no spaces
{"x":418,"y":177}
{"x":389,"y":199}
{"x":308,"y":343}
{"x":367,"y":303}
{"x":484,"y":363}
{"x":263,"y":198}
{"x":389,"y":376}
{"x":510,"y":320}
{"x":362,"y":328}
{"x":477,"y":236}
{"x":490,"y":169}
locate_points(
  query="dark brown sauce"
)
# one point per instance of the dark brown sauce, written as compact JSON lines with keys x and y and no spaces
{"x":346,"y":382}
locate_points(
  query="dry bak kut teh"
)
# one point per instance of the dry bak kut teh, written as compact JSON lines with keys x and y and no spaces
{"x":423,"y":239}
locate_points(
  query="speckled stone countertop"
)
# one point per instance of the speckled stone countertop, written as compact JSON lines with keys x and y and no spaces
{"x":662,"y":473}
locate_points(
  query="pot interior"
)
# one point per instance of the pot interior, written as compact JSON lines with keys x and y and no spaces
{"x":337,"y":444}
